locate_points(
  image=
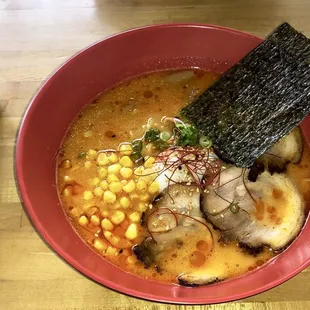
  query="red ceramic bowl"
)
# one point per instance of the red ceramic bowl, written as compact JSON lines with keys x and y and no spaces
{"x":64,"y":94}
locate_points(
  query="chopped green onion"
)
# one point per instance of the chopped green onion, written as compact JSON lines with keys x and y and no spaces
{"x":187,"y":136}
{"x":137,"y":146}
{"x":136,"y":156}
{"x":152,"y":135}
{"x":81,"y":155}
{"x":161,"y":145}
{"x":234,"y":208}
{"x":165,"y":136}
{"x":205,"y":141}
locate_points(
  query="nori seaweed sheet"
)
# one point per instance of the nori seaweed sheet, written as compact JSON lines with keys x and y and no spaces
{"x":258,"y":100}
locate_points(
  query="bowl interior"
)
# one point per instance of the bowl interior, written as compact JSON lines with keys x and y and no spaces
{"x":52,"y":110}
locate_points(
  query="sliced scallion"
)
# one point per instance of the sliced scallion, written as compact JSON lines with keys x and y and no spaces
{"x":234,"y":208}
{"x":81,"y":155}
{"x":165,"y":136}
{"x":205,"y":141}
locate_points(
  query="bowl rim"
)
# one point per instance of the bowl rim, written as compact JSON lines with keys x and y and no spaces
{"x":44,"y":235}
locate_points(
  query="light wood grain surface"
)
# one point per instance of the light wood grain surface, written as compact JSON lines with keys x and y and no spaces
{"x":36,"y":36}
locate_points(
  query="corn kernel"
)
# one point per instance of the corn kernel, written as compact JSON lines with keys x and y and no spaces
{"x":148,"y":175}
{"x":66,"y":164}
{"x":100,"y":245}
{"x":94,"y":219}
{"x":110,"y":251}
{"x":98,"y":192}
{"x":94,"y":181}
{"x":125,"y":149}
{"x":116,"y":205}
{"x":117,"y":217}
{"x":109,"y":197}
{"x":114,"y":240}
{"x":103,"y":172}
{"x":68,"y":191}
{"x":102,"y":159}
{"x":83,"y":220}
{"x":126,"y":161}
{"x":149,"y":162}
{"x":88,"y":133}
{"x":68,"y":180}
{"x":76,"y":212}
{"x":124,"y":202}
{"x":106,"y":224}
{"x":139,"y":170}
{"x":131,"y":232}
{"x":104,"y":185}
{"x":112,"y":178}
{"x":133,"y":196}
{"x":115,"y":187}
{"x":142,"y":206}
{"x":126,"y":172}
{"x":130,"y":187}
{"x":91,"y":154}
{"x":134,"y":217}
{"x":115,"y":168}
{"x":105,"y":213}
{"x":91,"y":210}
{"x":141,"y":186}
{"x":88,"y":195}
{"x":131,"y":259}
{"x":113,"y":158}
{"x":144,"y":197}
{"x":147,"y":171}
{"x":108,"y":235}
{"x":153,"y":188}
{"x":149,"y":179}
{"x":88,"y":164}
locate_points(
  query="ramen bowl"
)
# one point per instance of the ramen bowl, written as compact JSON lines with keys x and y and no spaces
{"x":57,"y":103}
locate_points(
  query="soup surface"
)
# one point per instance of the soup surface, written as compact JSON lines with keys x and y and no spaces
{"x":107,"y":195}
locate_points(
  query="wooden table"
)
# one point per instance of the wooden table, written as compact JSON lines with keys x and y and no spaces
{"x":36,"y":36}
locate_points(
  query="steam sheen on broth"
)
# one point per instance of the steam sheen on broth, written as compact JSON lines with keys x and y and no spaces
{"x":127,"y":210}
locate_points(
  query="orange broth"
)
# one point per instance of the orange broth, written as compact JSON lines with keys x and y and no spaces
{"x":120,"y":115}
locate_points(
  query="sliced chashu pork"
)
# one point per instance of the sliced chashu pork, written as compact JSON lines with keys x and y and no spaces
{"x":286,"y":150}
{"x":289,"y":148}
{"x":247,"y":224}
{"x":266,"y":212}
{"x":166,"y":223}
{"x":167,"y":233}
